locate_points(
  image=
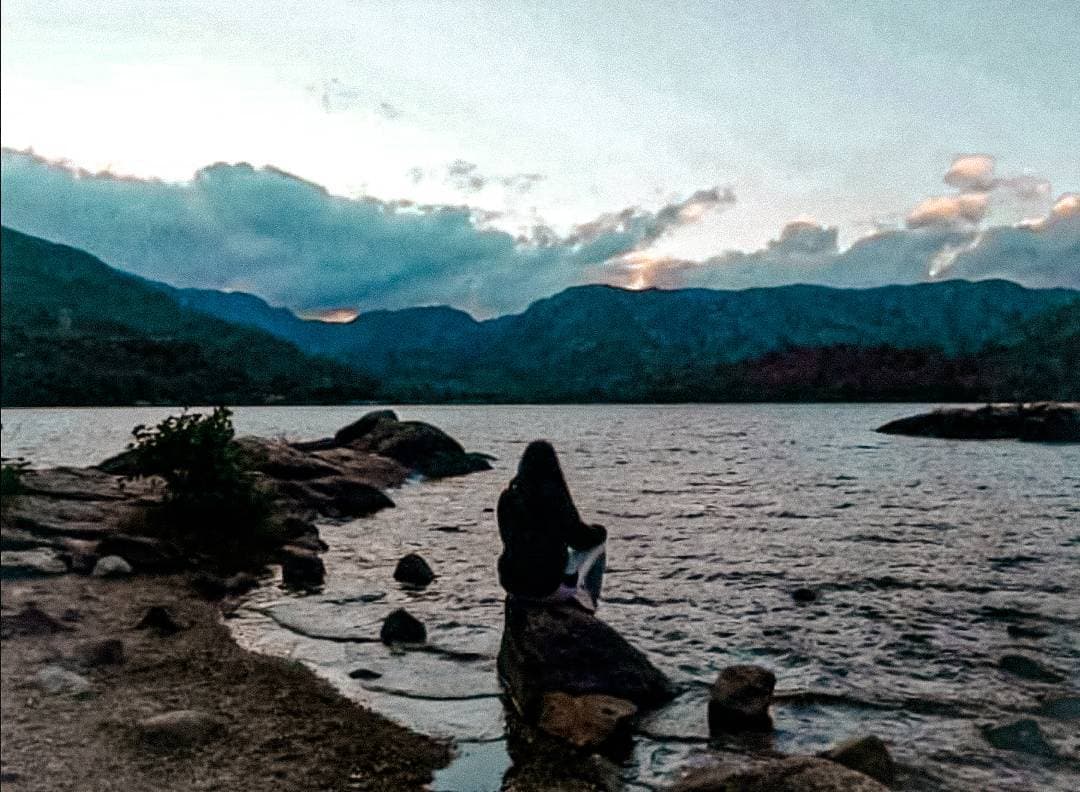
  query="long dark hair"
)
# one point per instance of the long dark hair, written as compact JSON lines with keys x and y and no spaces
{"x":541,"y":484}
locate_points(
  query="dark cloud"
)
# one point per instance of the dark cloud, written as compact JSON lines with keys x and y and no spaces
{"x":291,"y":242}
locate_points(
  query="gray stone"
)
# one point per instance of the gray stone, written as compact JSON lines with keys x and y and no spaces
{"x":1025,"y":667}
{"x":55,"y":679}
{"x":1024,"y":736}
{"x":402,"y":627}
{"x":740,"y":699}
{"x":181,"y":728}
{"x":144,"y":553}
{"x":868,"y":755}
{"x":301,"y":568}
{"x":112,"y":566}
{"x":413,"y":570}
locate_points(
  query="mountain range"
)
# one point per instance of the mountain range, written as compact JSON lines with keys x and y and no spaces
{"x":948,"y":340}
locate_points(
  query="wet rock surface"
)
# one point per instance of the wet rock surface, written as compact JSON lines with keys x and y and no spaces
{"x":1039,"y":422}
{"x":869,"y":755}
{"x":587,"y":721}
{"x":794,"y":774}
{"x":740,"y":699}
{"x":413,"y":570}
{"x":562,"y":649}
{"x":402,"y":627}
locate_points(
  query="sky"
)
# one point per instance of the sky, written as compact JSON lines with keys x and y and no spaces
{"x":354,"y":155}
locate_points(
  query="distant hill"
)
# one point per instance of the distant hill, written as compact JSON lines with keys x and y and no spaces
{"x":934,"y":341}
{"x":77,"y":332}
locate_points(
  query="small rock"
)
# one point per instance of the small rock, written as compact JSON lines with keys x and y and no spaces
{"x":740,"y":699}
{"x":31,"y":563}
{"x":161,"y":620}
{"x":1027,"y":668}
{"x":1061,"y":708}
{"x":30,"y":621}
{"x":144,"y":553}
{"x":1017,"y":631}
{"x":867,"y":755}
{"x":55,"y":679}
{"x":111,"y":566}
{"x":402,"y":627}
{"x":99,"y":653}
{"x":804,"y":595}
{"x":180,"y":728}
{"x":364,"y":673}
{"x":587,"y":721}
{"x":1022,"y":735}
{"x":301,"y":568}
{"x":414,"y":571}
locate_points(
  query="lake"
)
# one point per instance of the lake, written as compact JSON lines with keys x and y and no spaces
{"x":923,"y":553}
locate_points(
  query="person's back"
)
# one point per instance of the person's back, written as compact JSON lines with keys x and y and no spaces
{"x":543,"y":535}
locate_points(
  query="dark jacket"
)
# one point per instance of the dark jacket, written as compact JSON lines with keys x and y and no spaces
{"x":538,"y":522}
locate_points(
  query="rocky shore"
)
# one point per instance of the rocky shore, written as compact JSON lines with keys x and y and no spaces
{"x":1047,"y":422}
{"x":118,"y":672}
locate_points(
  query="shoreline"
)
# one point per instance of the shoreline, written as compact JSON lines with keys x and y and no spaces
{"x":282,"y":725}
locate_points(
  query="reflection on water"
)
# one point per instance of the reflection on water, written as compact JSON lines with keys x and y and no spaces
{"x":930,"y":560}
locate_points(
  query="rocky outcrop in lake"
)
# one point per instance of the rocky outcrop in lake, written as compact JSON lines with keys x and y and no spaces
{"x":1048,"y":422}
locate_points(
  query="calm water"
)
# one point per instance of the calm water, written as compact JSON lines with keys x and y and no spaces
{"x":923,"y":553}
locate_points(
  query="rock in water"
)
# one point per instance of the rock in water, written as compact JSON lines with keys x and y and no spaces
{"x":740,"y":699}
{"x":1027,"y":668}
{"x":795,"y":774}
{"x":112,"y":566}
{"x":363,"y":426}
{"x":413,"y":570}
{"x":402,"y":627}
{"x":550,"y":648}
{"x":1039,"y":422}
{"x":301,"y":568}
{"x":867,"y":755}
{"x":415,"y":444}
{"x":1022,"y":735}
{"x":588,"y":721}
{"x":180,"y":728}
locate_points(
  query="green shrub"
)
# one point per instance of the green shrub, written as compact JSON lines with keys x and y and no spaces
{"x":213,"y":505}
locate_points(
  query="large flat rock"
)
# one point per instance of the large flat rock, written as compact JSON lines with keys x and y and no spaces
{"x":563,"y":649}
{"x":1039,"y":422}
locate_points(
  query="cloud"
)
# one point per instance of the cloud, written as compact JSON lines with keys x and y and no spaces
{"x":968,"y":207}
{"x":289,"y":241}
{"x":971,"y":172}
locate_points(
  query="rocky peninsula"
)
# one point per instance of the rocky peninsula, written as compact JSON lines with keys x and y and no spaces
{"x":1045,"y":422}
{"x":118,"y":671}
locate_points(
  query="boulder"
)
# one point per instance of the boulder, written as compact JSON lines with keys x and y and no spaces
{"x":301,"y":568}
{"x":161,"y":620}
{"x":793,"y":774}
{"x":361,"y":427}
{"x":413,"y":570}
{"x":804,"y":595}
{"x":1023,"y":735}
{"x":143,"y":553}
{"x":54,"y":679}
{"x":29,"y":621}
{"x":1025,"y":667}
{"x":402,"y":627}
{"x":99,"y":653}
{"x":337,"y":496}
{"x":1040,"y":422}
{"x":38,"y":562}
{"x":588,"y":721}
{"x":549,"y":648}
{"x":868,"y":755}
{"x":420,"y":447}
{"x":740,"y":699}
{"x":180,"y":728}
{"x":111,"y":566}
{"x":279,"y":460}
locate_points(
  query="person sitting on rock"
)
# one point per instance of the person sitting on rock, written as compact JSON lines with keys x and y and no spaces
{"x":548,"y":552}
